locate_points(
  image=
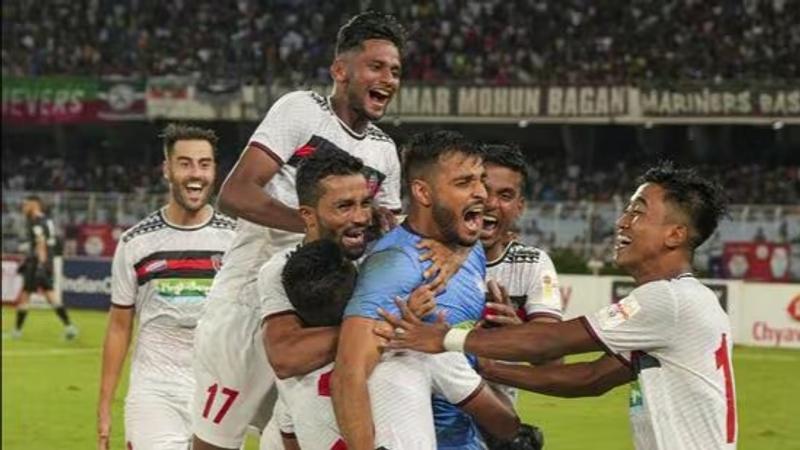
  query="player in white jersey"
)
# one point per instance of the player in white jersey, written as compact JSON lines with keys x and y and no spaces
{"x":260,"y":189}
{"x":525,"y":272}
{"x":162,"y":271}
{"x":670,"y":335}
{"x":315,"y":283}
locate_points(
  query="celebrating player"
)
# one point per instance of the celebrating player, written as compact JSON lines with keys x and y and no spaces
{"x":444,"y":175}
{"x":318,"y":282}
{"x":162,"y":271}
{"x":261,"y":191}
{"x":37,"y":269}
{"x":670,"y":335}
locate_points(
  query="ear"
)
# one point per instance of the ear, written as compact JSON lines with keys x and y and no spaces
{"x":165,"y":169}
{"x":422,"y":192}
{"x":339,"y":70}
{"x":677,"y":236}
{"x":307,"y":214}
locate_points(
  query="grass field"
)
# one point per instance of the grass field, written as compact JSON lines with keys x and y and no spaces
{"x":49,"y":392}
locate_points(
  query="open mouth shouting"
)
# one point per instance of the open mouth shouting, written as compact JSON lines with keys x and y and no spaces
{"x":473,"y":218}
{"x":194,"y":190}
{"x":380,"y":96}
{"x":490,"y":224}
{"x":622,"y":242}
{"x":354,"y":239}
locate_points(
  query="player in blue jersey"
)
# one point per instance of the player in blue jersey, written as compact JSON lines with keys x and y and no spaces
{"x":443,"y":173}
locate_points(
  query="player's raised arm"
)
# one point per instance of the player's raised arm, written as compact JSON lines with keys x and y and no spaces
{"x":585,"y":379}
{"x":293,"y":350}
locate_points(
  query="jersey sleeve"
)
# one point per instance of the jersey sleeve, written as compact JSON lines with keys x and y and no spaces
{"x":271,"y":294}
{"x":383,"y":276}
{"x":644,"y":320}
{"x":283,"y":417}
{"x":453,"y":378}
{"x":123,"y":278}
{"x":389,"y":193}
{"x":287,"y":126}
{"x":544,"y":297}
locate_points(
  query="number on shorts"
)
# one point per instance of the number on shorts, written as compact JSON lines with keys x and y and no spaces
{"x":231,"y":395}
{"x":724,"y":363}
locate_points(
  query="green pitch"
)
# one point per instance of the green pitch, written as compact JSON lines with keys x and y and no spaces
{"x":50,"y":393}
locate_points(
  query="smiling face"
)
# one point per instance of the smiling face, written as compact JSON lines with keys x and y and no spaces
{"x":342,"y":214}
{"x":504,"y":204}
{"x":458,"y":198}
{"x":649,"y":228}
{"x":191,"y":170}
{"x":370,"y":76}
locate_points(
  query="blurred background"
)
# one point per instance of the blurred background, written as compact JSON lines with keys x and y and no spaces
{"x":592,"y":91}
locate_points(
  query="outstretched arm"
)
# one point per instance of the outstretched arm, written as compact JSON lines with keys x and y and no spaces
{"x":585,"y":379}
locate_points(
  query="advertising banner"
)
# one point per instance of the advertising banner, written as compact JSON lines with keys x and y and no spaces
{"x":769,"y":315}
{"x":50,"y":100}
{"x":86,"y":283}
{"x":96,"y":240}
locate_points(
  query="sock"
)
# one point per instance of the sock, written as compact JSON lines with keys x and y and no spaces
{"x":21,"y":315}
{"x":62,"y":314}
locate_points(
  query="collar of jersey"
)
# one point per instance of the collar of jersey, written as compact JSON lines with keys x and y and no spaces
{"x":499,"y":259}
{"x":182,"y":228}
{"x":344,"y":125}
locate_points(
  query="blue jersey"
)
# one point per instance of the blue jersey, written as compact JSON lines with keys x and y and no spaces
{"x":393,"y":269}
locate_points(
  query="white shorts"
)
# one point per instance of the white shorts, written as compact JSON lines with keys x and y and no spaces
{"x":157,"y":422}
{"x":232,"y":374}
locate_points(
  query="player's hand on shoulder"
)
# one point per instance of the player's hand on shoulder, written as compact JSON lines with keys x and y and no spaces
{"x":409,"y":332}
{"x":444,"y":262}
{"x":499,"y":310}
{"x":422,"y":301}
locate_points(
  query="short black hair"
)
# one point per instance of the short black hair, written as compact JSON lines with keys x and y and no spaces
{"x":426,"y":149}
{"x":326,"y":160}
{"x":319,"y":281}
{"x":34,"y":198}
{"x":370,"y":25}
{"x":175,"y":132}
{"x":508,"y":156}
{"x":701,"y":199}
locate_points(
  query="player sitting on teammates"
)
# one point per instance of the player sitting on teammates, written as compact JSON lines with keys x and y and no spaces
{"x":670,"y":336}
{"x":161,"y":273}
{"x":260,"y":191}
{"x":318,"y":280}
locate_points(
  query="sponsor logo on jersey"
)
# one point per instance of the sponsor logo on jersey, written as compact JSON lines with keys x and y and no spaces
{"x":183,"y":290}
{"x":618,"y":313}
{"x":155,"y":266}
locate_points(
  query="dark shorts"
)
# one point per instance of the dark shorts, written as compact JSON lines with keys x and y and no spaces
{"x":37,"y":279}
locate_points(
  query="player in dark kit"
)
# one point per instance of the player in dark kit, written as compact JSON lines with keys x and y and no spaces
{"x":37,"y":270}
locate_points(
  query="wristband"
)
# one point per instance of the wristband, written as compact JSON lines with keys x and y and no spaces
{"x":455,"y":339}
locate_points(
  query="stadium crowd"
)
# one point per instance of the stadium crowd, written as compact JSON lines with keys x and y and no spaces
{"x":551,"y":179}
{"x":493,"y":42}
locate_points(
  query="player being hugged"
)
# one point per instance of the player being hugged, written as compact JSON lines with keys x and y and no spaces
{"x":260,"y":191}
{"x":162,"y":270}
{"x":669,"y":337}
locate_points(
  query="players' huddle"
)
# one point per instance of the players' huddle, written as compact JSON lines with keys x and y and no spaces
{"x":331,"y":321}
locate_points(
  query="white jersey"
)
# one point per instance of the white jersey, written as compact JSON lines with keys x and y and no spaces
{"x":296,"y":126}
{"x":677,"y":339}
{"x":165,"y":272}
{"x":400,"y":391}
{"x":530,"y":278}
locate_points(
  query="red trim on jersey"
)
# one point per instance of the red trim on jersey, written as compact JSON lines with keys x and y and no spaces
{"x":472,"y":395}
{"x":305,"y":151}
{"x":339,"y":445}
{"x":550,"y":315}
{"x":593,"y":334}
{"x":324,"y":384}
{"x":175,"y":265}
{"x":266,"y":150}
